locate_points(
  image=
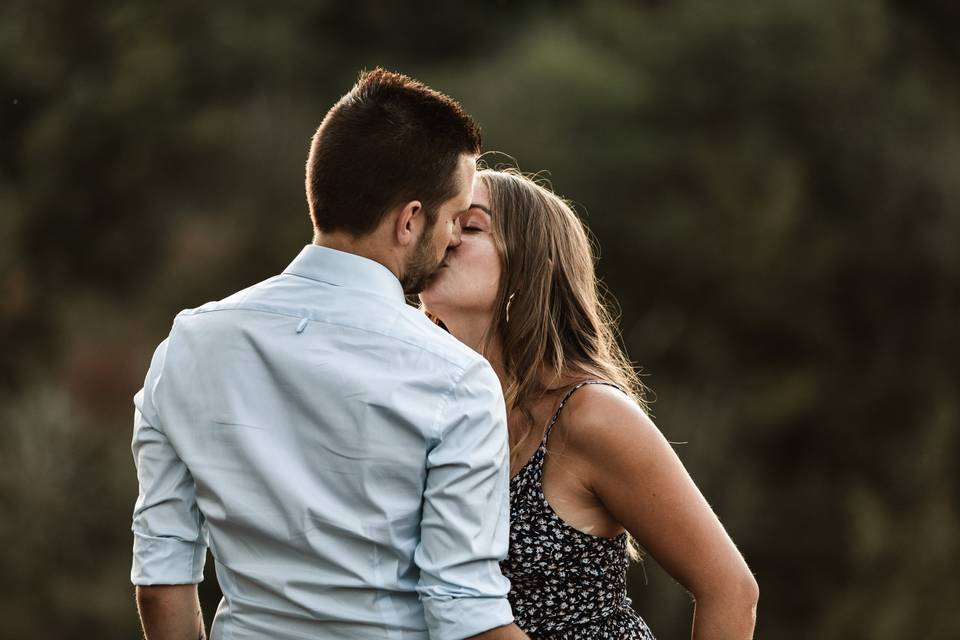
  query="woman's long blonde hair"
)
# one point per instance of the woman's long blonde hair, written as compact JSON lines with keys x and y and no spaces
{"x":559,"y":324}
{"x":550,"y":317}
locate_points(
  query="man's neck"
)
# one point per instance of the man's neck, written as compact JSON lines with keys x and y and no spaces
{"x":366,"y":246}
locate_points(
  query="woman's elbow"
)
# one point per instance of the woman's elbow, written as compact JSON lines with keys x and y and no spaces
{"x":739,"y":592}
{"x":745,"y":594}
{"x":751,"y":590}
{"x":751,"y":595}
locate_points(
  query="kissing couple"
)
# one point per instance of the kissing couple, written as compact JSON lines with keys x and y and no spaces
{"x":481,"y":466}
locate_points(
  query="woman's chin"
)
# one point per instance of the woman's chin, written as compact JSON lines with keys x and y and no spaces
{"x":435,"y":303}
{"x":433,"y":291}
{"x":430,"y":300}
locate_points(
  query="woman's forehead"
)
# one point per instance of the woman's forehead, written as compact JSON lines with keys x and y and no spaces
{"x":481,"y":195}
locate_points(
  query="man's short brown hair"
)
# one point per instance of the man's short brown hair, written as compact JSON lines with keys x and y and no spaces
{"x":389,"y":140}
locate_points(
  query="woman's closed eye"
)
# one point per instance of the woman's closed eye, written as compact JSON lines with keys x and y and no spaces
{"x":472,"y":228}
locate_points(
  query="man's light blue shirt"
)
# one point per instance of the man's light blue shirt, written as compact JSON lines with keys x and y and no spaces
{"x":345,"y":460}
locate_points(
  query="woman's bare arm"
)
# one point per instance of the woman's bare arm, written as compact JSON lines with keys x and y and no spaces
{"x":638,"y":477}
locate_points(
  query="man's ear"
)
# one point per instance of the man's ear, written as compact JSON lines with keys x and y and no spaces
{"x":409,"y":223}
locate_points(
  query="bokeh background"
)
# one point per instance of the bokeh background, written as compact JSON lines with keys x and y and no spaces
{"x":773,"y":185}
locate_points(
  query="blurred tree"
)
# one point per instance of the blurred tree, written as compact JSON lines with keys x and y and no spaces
{"x":772,"y":185}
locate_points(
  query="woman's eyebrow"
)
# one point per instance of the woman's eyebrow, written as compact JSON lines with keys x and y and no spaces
{"x":481,"y":207}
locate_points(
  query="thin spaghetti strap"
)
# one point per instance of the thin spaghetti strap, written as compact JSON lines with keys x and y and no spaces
{"x":556,"y":415}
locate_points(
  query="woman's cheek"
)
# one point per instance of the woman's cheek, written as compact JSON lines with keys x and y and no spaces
{"x":493,"y":275}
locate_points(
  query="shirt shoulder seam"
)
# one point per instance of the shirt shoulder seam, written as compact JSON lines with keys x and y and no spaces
{"x":313,"y":317}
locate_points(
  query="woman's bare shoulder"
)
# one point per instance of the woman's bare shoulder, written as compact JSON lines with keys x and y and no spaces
{"x":599,"y":418}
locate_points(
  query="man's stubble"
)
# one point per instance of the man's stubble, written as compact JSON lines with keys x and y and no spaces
{"x":422,"y":263}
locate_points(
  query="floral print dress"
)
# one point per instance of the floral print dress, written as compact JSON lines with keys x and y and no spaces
{"x":565,"y":584}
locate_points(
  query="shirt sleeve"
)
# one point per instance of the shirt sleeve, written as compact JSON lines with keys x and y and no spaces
{"x":169,"y":545}
{"x":466,"y":512}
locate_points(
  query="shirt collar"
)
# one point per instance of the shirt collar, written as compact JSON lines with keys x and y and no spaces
{"x":347,"y":270}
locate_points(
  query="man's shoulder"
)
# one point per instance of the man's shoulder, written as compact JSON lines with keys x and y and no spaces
{"x":248,"y":295}
{"x":400,"y":325}
{"x":413,"y":327}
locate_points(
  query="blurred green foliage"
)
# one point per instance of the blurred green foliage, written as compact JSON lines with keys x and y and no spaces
{"x":774,"y":187}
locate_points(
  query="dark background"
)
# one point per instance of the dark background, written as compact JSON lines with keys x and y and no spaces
{"x":774,"y":185}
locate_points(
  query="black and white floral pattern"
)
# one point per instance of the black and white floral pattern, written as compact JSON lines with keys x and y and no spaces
{"x":565,"y":584}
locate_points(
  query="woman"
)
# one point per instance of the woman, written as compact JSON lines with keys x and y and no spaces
{"x":589,"y":470}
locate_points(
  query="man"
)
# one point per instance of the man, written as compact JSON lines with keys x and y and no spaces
{"x":344,"y":459}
